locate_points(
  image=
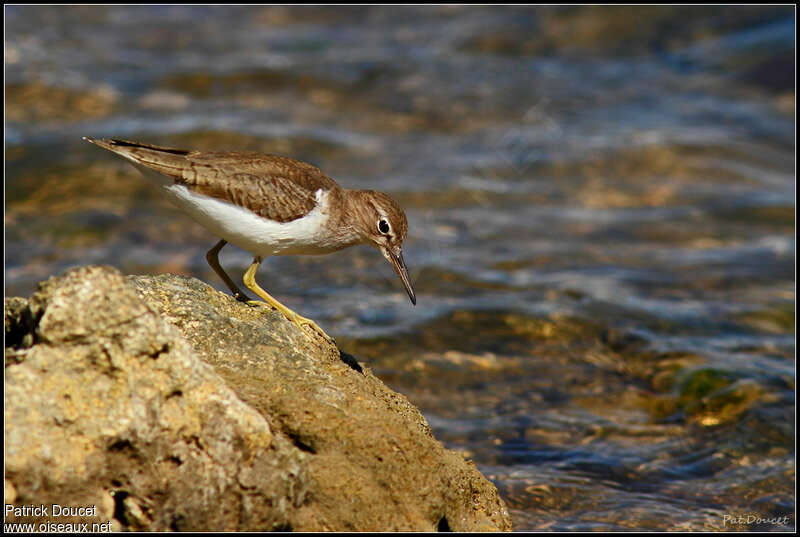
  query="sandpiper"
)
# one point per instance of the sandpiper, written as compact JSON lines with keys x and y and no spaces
{"x":269,"y":205}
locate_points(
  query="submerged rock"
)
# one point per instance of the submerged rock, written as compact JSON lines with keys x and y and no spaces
{"x":167,"y":405}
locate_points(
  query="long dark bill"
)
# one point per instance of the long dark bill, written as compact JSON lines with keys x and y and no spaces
{"x":400,"y":267}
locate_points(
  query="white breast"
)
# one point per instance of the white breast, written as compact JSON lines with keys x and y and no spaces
{"x":260,"y":236}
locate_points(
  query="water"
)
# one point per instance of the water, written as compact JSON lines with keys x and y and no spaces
{"x":601,"y":211}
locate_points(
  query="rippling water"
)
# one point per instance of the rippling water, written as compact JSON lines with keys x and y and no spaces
{"x":601,"y":211}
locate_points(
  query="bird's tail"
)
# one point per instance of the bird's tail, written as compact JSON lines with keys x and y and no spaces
{"x":165,"y":160}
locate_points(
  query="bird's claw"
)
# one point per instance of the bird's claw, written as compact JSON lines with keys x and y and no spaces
{"x":296,"y":319}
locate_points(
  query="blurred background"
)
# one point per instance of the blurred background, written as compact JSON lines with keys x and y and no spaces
{"x":601,"y":206}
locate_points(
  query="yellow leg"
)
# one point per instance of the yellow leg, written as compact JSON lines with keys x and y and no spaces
{"x":250,"y":281}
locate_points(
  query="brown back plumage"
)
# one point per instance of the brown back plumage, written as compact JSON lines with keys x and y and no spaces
{"x":242,"y":178}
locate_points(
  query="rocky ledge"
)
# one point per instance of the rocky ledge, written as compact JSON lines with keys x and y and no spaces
{"x":159,"y":403}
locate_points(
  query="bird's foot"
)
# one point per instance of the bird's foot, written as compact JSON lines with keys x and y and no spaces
{"x":300,"y":322}
{"x":241,"y":297}
{"x":294,"y":318}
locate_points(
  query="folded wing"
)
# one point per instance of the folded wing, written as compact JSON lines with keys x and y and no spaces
{"x":274,"y":187}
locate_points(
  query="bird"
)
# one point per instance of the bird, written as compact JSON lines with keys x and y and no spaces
{"x":269,"y":205}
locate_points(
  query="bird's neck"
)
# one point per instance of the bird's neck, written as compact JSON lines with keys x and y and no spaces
{"x":345,"y":213}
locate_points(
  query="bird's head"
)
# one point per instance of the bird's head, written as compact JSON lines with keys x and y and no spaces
{"x":382,"y":224}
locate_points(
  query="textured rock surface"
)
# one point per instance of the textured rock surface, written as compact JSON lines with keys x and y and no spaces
{"x":171,"y":406}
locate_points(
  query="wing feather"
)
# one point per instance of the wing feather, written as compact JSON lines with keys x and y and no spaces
{"x":279,"y":188}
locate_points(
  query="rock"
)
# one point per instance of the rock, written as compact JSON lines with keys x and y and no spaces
{"x":167,"y":405}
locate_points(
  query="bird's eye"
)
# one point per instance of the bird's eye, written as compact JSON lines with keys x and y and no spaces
{"x":383,"y":227}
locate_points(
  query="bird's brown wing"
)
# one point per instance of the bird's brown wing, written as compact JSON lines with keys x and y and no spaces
{"x":274,"y":187}
{"x":278,"y":188}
